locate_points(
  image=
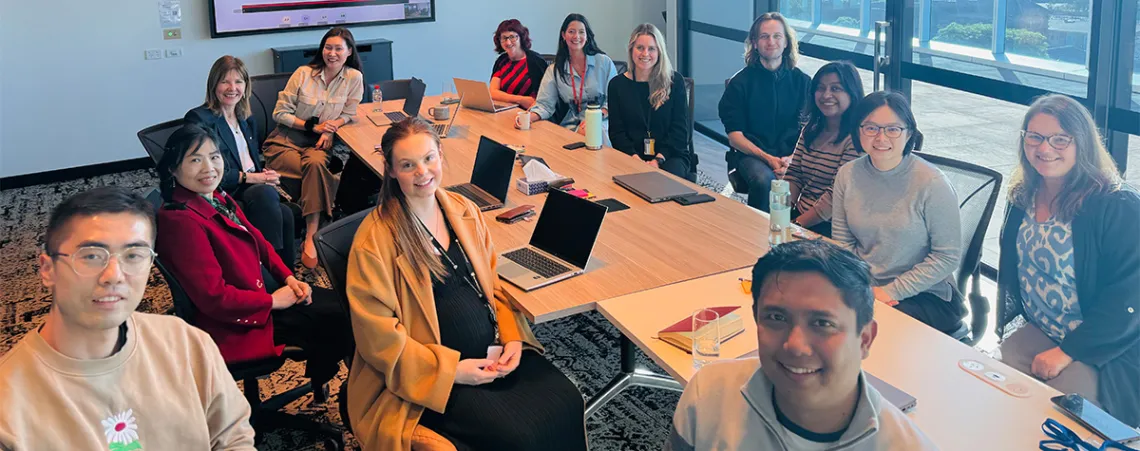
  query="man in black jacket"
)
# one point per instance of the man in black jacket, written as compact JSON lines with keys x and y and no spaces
{"x":763,"y":108}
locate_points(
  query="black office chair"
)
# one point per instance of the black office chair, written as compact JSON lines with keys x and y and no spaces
{"x":333,"y":243}
{"x":977,"y":188}
{"x":399,"y":89}
{"x":265,"y":415}
{"x":154,"y":138}
{"x":548,"y":58}
{"x":622,"y":66}
{"x":265,"y":89}
{"x":689,"y":84}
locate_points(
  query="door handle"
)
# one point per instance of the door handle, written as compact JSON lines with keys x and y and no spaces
{"x":882,"y":57}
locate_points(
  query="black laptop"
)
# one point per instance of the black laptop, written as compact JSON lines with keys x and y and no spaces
{"x":491,"y":177}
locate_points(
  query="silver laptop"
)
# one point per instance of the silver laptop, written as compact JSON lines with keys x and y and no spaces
{"x":653,"y":186}
{"x":411,"y":106}
{"x":491,"y":177}
{"x":442,"y":130}
{"x":477,"y":95}
{"x":560,"y":246}
{"x":901,"y":399}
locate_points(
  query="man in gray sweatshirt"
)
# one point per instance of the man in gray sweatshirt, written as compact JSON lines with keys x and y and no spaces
{"x":807,"y":391}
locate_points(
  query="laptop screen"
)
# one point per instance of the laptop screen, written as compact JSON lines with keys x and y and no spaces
{"x":493,"y":165}
{"x":568,"y":227}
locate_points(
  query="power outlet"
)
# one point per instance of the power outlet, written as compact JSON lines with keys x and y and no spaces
{"x":153,"y":54}
{"x":174,"y":53}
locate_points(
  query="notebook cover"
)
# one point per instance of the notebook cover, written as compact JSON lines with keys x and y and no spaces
{"x":686,"y":324}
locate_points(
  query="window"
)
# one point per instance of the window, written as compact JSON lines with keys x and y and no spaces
{"x":966,"y":23}
{"x":736,"y":14}
{"x":797,"y":9}
{"x":717,"y":60}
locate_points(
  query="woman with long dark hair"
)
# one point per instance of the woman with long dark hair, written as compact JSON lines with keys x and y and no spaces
{"x":580,"y":76}
{"x":246,"y":297}
{"x":318,"y":99}
{"x":441,"y":352}
{"x":1070,"y":261}
{"x":824,"y":145}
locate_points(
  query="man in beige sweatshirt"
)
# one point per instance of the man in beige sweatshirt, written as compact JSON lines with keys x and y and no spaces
{"x":99,"y":376}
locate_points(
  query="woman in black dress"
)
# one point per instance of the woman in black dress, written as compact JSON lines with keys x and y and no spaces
{"x":441,"y":355}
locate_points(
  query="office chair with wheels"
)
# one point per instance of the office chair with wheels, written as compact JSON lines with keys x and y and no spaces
{"x":549,"y":58}
{"x":399,"y":89}
{"x":621,"y":66}
{"x":977,"y":188}
{"x":154,"y":138}
{"x":265,"y":415}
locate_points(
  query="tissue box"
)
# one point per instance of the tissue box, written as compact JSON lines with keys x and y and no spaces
{"x":531,"y":188}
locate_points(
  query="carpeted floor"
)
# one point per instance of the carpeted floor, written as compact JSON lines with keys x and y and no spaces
{"x":583,"y":346}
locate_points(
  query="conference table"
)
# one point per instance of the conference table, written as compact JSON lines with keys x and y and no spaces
{"x":956,"y":409}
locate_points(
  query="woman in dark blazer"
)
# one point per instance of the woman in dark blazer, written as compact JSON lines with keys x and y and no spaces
{"x":1070,"y":262}
{"x":227,"y":113}
{"x":518,"y":71}
{"x":247,"y":298}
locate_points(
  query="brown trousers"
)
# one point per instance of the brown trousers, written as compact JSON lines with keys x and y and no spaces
{"x":292,"y":154}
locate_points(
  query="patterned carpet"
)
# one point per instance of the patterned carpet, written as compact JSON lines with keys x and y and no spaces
{"x":584,"y":346}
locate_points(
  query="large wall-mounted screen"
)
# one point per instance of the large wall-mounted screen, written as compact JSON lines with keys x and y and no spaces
{"x":240,"y":17}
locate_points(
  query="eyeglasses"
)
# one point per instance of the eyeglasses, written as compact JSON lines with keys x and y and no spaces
{"x":872,"y":130}
{"x":1059,"y":141}
{"x":509,"y":37}
{"x":90,"y":261}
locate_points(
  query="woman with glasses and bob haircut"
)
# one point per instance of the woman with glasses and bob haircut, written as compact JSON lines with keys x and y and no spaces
{"x":899,"y":213}
{"x":244,"y":295}
{"x":1070,"y":261}
{"x":518,"y":71}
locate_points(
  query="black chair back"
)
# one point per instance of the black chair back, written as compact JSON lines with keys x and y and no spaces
{"x":264,"y":99}
{"x":689,"y":85}
{"x":400,"y":89}
{"x":622,"y":66}
{"x":977,"y":188}
{"x":333,"y":243}
{"x":154,"y":138}
{"x":549,"y":58}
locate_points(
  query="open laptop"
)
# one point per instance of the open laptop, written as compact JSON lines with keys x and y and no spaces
{"x":411,"y":106}
{"x":901,"y":399}
{"x":560,"y":246}
{"x":477,"y":95}
{"x":491,"y":178}
{"x":653,"y":186}
{"x":442,"y":130}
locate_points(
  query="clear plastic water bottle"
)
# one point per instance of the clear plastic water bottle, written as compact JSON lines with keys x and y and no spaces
{"x":377,"y":97}
{"x":780,"y":211}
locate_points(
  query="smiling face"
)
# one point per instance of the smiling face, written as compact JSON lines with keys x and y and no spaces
{"x":771,"y":40}
{"x":201,"y":169}
{"x":417,"y":165}
{"x":230,"y":89}
{"x":885,"y":151}
{"x":809,"y":344}
{"x":644,"y":53}
{"x":830,"y":97}
{"x":104,"y":300}
{"x":575,"y":35}
{"x":509,"y":40}
{"x":1050,"y":162}
{"x":335,"y":52}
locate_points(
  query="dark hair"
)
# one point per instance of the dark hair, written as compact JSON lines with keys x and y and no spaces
{"x":563,"y":56}
{"x":515,"y":26}
{"x":851,"y":83}
{"x":791,"y":50}
{"x":850,"y":274}
{"x":182,"y":142}
{"x":353,"y":61}
{"x":898,"y":104}
{"x":104,"y":199}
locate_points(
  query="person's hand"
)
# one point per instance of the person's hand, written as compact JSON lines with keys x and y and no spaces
{"x":509,"y":361}
{"x":777,"y":164}
{"x":301,"y":289}
{"x":654,"y":162}
{"x":325,"y":142}
{"x":525,"y":103}
{"x":326,"y":127}
{"x":254,"y":178}
{"x":882,"y":296}
{"x":582,"y":128}
{"x":271,"y":177}
{"x":533,"y":118}
{"x":284,"y":298}
{"x":1050,"y":363}
{"x":474,"y":372}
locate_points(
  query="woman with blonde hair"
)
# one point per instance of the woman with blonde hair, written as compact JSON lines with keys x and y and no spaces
{"x":1070,"y":261}
{"x":649,"y":115}
{"x":442,"y":358}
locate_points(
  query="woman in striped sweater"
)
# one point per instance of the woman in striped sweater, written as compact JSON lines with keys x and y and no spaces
{"x":823,"y":146}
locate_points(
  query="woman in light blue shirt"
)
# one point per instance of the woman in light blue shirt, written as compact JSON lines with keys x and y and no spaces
{"x":579,"y":76}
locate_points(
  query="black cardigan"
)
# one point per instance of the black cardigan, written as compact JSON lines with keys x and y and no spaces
{"x":216,"y":122}
{"x":767,"y":106}
{"x":629,"y":105}
{"x":1106,"y":251}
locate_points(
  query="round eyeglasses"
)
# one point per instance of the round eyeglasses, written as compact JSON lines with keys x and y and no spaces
{"x":91,"y":261}
{"x":1059,"y":141}
{"x":872,"y":130}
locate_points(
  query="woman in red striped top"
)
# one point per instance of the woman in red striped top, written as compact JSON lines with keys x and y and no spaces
{"x":518,"y":71}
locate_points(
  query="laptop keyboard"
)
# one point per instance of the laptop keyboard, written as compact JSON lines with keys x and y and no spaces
{"x":438,"y":128}
{"x":396,"y":116}
{"x":470,"y":193}
{"x":536,"y":262}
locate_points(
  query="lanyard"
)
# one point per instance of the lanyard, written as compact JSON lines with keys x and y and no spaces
{"x":574,"y":87}
{"x":468,"y":278}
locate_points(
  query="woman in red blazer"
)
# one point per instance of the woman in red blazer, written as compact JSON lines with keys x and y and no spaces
{"x":234,"y":278}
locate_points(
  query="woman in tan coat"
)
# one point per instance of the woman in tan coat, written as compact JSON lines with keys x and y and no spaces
{"x":440,"y":354}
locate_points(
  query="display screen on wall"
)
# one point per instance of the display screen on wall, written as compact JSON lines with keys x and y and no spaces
{"x":240,"y":17}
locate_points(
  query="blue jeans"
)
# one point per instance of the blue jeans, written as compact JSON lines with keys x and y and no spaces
{"x":758,"y":176}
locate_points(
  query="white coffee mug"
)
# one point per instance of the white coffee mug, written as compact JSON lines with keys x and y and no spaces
{"x":524,"y":120}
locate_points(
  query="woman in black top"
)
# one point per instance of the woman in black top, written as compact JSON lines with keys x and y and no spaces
{"x":226,"y":112}
{"x":649,"y":109}
{"x":518,"y":71}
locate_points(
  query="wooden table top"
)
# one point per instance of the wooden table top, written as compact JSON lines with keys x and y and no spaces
{"x":644,"y":247}
{"x":955,"y":409}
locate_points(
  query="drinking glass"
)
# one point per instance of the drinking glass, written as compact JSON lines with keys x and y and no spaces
{"x":706,"y":337}
{"x":448,"y":91}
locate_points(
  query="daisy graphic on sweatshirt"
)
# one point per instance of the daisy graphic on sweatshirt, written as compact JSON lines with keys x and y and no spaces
{"x":121,"y":431}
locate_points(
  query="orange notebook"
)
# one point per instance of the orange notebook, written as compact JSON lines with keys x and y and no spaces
{"x":680,"y":334}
